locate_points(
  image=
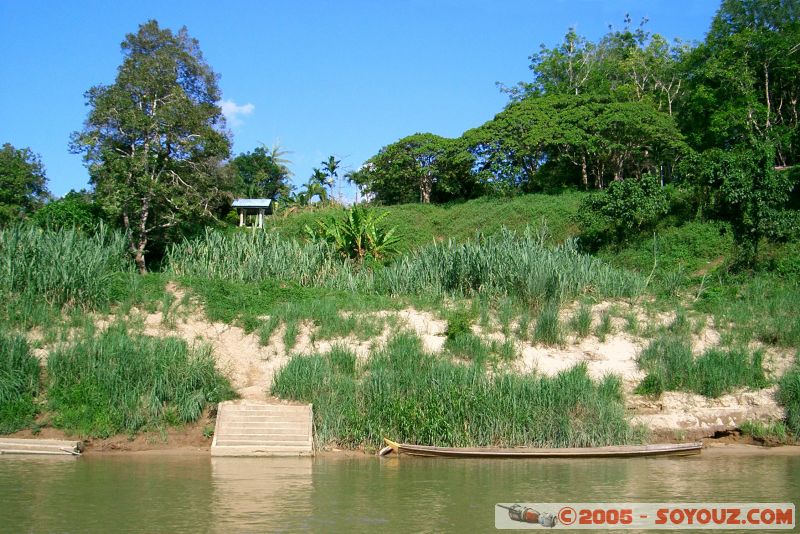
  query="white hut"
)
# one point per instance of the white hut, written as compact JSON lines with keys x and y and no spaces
{"x":253,"y":206}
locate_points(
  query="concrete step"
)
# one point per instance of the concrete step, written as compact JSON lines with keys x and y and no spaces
{"x":251,"y":428}
{"x":260,"y":443}
{"x":276,"y":427}
{"x":283,"y":408}
{"x":263,"y":432}
{"x":265,"y":438}
{"x":278,"y":418}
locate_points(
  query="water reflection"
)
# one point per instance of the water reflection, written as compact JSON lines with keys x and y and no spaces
{"x":261,"y":494}
{"x":171,"y":493}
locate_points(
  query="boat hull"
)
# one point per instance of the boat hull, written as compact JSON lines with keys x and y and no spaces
{"x":623,"y":451}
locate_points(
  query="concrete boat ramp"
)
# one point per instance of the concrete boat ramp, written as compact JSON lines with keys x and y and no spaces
{"x":256,"y":428}
{"x":40,"y":446}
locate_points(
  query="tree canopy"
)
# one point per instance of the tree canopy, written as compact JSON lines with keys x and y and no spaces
{"x":154,"y":140}
{"x":596,"y":138}
{"x":23,"y":184}
{"x":419,"y":168}
{"x":260,"y":174}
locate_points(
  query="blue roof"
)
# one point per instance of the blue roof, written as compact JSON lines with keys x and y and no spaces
{"x":252,"y":202}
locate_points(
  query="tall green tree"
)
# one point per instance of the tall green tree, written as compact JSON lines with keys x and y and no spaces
{"x":260,"y":174}
{"x":154,"y":139}
{"x":745,"y":83}
{"x":316,"y":186}
{"x":419,"y":168}
{"x":23,"y":184}
{"x":628,"y":63}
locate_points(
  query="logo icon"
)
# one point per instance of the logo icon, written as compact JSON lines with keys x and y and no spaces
{"x":517,"y":512}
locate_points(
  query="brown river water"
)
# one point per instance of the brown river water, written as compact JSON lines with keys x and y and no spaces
{"x":196,"y":493}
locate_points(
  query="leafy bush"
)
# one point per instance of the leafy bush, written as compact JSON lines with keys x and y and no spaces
{"x":19,"y":383}
{"x":76,"y":209}
{"x":459,"y":322}
{"x":624,"y":209}
{"x":743,"y":189}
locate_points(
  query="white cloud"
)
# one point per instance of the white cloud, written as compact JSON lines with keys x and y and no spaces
{"x":234,"y":112}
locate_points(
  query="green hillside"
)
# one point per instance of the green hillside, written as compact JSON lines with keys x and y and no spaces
{"x":420,"y":224}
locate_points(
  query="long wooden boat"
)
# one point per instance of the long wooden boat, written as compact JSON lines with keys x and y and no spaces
{"x":621,"y":451}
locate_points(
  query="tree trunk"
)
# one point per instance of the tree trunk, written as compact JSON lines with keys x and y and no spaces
{"x":425,"y":187}
{"x":141,"y":242}
{"x":138,"y":256}
{"x":584,"y":174}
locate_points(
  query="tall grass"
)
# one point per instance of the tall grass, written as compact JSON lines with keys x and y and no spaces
{"x":408,"y":394}
{"x":789,"y":397}
{"x":66,"y":266}
{"x":19,"y":383}
{"x":671,"y":366}
{"x":258,"y":255}
{"x":581,"y":321}
{"x":521,"y":265}
{"x":548,"y":328}
{"x":504,"y":264}
{"x":116,"y":382}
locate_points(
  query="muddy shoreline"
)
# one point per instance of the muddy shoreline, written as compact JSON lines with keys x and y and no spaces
{"x":191,"y":440}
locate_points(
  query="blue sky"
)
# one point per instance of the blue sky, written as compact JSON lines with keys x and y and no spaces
{"x":320,"y":78}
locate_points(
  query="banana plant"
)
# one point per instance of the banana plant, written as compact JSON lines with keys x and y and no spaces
{"x":358,"y":235}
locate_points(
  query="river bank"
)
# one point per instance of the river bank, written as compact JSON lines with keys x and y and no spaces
{"x":251,"y":363}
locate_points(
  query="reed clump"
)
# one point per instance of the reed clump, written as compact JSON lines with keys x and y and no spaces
{"x":417,"y":397}
{"x":121,"y":382}
{"x":58,"y":267}
{"x":789,"y":397}
{"x":505,"y":264}
{"x":19,"y":383}
{"x":671,"y":366}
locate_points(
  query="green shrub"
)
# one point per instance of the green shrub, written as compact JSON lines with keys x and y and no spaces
{"x":624,"y":209}
{"x":19,"y":383}
{"x":459,"y":323}
{"x":76,"y":209}
{"x":116,"y":382}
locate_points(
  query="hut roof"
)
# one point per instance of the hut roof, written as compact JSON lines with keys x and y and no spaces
{"x":252,"y":202}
